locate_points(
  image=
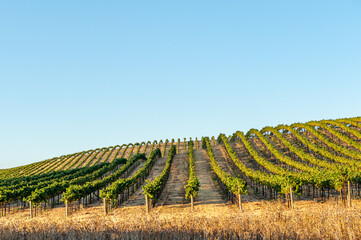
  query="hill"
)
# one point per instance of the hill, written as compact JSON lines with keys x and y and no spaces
{"x":275,"y":176}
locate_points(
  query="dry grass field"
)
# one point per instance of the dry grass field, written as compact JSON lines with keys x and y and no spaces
{"x":259,"y":220}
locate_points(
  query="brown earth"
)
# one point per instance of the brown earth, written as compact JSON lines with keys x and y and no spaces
{"x":174,"y":192}
{"x":224,"y":161}
{"x":137,"y":198}
{"x":208,"y":193}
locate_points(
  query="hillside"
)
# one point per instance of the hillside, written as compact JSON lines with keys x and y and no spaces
{"x":292,"y":170}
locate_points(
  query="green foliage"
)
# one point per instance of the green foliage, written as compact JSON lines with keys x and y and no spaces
{"x":339,"y":135}
{"x":233,"y":184}
{"x":154,"y":187}
{"x":193,"y":184}
{"x":337,"y":147}
{"x":51,"y":189}
{"x":139,"y":146}
{"x":74,"y":192}
{"x":145,"y":148}
{"x":332,"y":173}
{"x":152,"y":147}
{"x":321,"y":178}
{"x":119,"y":186}
{"x":178,"y":143}
{"x":22,"y":188}
{"x":165,"y":146}
{"x":276,"y":181}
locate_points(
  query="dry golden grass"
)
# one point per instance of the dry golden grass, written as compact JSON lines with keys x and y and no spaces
{"x":260,"y":220}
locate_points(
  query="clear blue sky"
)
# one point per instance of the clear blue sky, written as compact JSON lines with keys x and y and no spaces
{"x":77,"y":75}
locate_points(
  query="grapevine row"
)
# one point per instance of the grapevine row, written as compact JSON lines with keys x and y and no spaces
{"x":193,"y":184}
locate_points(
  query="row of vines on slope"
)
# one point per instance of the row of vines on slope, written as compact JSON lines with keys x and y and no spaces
{"x":193,"y":184}
{"x":232,"y":186}
{"x":153,"y":189}
{"x":112,"y":192}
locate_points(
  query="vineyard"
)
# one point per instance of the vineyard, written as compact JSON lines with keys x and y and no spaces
{"x":316,"y":161}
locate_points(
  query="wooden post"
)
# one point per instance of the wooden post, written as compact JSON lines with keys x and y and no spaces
{"x":31,"y":210}
{"x":146,"y":203}
{"x":105,"y":206}
{"x":348,"y":194}
{"x":66,"y":209}
{"x":344,"y":192}
{"x":291,"y":196}
{"x":240,"y":201}
{"x":192,"y":202}
{"x":287,"y":200}
{"x":328,"y":193}
{"x":313,"y":192}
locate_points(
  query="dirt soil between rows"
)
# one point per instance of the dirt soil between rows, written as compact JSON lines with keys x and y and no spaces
{"x":174,"y":192}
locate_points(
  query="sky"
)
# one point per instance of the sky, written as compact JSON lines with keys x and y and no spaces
{"x":78,"y":75}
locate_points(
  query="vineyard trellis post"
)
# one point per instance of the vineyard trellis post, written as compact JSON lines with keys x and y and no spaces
{"x":348,"y":195}
{"x":66,"y":209}
{"x":184,"y":144}
{"x":31,"y":210}
{"x":240,"y":202}
{"x":178,"y":143}
{"x":146,"y":203}
{"x":105,"y":201}
{"x":344,"y":190}
{"x":192,"y":202}
{"x":291,"y":197}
